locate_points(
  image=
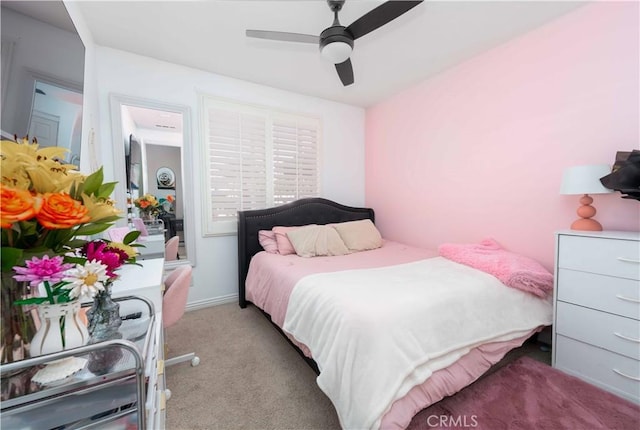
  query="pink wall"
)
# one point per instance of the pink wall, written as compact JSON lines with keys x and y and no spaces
{"x":479,"y":150}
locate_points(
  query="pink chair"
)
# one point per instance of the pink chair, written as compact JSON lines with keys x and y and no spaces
{"x":171,"y":249}
{"x":173,"y":306}
{"x":117,"y":234}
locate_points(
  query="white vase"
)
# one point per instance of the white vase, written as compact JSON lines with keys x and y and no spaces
{"x":48,"y":338}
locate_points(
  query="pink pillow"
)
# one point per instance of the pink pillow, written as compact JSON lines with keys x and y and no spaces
{"x":284,"y":244}
{"x":267,"y":239}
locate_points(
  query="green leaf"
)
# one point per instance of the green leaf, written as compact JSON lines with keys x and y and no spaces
{"x":28,"y":228}
{"x":91,"y":229}
{"x":106,"y":189}
{"x":131,"y":237}
{"x":10,"y":257}
{"x":32,"y":301}
{"x":76,"y":243}
{"x":93,"y":182}
{"x":72,"y":191}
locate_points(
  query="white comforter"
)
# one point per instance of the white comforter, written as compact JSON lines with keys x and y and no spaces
{"x":376,"y":333}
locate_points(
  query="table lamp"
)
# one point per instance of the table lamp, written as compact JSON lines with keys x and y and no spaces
{"x":585,"y":180}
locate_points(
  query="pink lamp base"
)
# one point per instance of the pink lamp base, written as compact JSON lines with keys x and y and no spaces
{"x":586,"y":211}
{"x":586,"y":225}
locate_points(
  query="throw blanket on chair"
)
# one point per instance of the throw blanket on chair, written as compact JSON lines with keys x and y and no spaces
{"x":376,"y":333}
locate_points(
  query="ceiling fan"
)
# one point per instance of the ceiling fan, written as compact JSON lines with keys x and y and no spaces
{"x":336,"y":42}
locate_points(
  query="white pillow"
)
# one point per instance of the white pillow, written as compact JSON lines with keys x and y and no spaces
{"x":317,"y":240}
{"x":359,"y":235}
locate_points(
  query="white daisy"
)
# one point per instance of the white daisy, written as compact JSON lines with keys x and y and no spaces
{"x":86,"y":280}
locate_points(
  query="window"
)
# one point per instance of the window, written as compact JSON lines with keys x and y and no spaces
{"x":256,"y":157}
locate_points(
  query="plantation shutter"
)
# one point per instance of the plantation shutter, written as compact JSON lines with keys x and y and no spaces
{"x":236,"y":163}
{"x":255,"y":158}
{"x":295,"y":159}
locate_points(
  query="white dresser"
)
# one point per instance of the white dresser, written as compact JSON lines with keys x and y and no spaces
{"x":596,"y":330}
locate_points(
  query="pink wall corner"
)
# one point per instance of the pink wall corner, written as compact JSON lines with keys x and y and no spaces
{"x":479,"y":150}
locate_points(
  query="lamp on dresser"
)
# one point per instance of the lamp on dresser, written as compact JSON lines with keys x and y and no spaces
{"x":585,"y":180}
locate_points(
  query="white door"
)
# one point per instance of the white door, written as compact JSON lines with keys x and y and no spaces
{"x":44,"y":127}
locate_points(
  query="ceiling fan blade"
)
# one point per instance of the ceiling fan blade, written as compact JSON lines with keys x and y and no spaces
{"x":284,"y":36}
{"x":345,"y":72}
{"x":380,"y":16}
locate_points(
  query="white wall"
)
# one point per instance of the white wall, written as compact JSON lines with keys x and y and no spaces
{"x":89,"y":153}
{"x":215,"y":275}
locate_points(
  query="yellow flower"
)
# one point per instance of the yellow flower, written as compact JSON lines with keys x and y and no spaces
{"x":100,"y":209}
{"x":130,"y":250}
{"x":27,"y":167}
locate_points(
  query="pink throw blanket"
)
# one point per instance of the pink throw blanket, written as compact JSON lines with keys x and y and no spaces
{"x":514,"y":270}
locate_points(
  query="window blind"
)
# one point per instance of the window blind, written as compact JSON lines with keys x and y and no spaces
{"x":256,"y":158}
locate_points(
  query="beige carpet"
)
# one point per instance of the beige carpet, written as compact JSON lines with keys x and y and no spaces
{"x":249,"y":377}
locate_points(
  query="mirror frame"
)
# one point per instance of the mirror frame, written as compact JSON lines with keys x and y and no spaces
{"x":116,"y":101}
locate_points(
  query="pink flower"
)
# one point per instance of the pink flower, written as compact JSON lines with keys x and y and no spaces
{"x":49,"y":269}
{"x":98,"y":251}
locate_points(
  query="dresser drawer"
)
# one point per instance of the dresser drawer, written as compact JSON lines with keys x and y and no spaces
{"x":613,"y":372}
{"x":611,"y":332}
{"x":615,"y":257}
{"x":614,"y":295}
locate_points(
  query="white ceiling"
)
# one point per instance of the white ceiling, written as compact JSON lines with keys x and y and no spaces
{"x":210,"y":35}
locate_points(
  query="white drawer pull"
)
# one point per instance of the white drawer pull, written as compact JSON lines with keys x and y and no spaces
{"x":635,"y":378}
{"x":627,"y":299}
{"x":628,"y":260}
{"x":621,"y":336}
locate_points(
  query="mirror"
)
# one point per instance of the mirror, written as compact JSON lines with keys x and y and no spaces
{"x":44,"y":93}
{"x":155,"y":144}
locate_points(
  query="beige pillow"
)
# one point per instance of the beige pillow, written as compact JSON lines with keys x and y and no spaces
{"x":317,"y":240}
{"x":284,"y":244}
{"x":359,"y":235}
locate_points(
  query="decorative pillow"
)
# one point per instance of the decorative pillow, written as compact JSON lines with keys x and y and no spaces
{"x":514,"y":270}
{"x":284,"y":245}
{"x":267,"y":239}
{"x":359,"y":235}
{"x":317,"y":240}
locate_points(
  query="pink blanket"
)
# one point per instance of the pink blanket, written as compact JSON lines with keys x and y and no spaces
{"x":514,"y":270}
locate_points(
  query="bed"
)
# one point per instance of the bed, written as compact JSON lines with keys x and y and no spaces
{"x":384,"y":346}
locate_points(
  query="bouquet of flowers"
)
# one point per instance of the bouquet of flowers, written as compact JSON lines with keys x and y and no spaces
{"x":148,"y":205}
{"x":84,"y":272}
{"x":46,"y":210}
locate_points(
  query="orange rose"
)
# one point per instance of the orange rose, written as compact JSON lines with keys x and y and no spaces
{"x":17,"y":205}
{"x":60,"y":211}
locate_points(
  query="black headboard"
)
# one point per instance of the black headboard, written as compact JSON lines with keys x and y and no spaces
{"x":300,"y":212}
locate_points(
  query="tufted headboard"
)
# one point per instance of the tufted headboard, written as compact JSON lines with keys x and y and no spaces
{"x":300,"y":212}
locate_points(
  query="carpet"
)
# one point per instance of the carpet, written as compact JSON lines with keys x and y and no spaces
{"x":527,"y":394}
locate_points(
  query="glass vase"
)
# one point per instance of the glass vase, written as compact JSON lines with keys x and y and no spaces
{"x":104,"y":316}
{"x":104,"y":321}
{"x":18,"y":326}
{"x":60,"y":329}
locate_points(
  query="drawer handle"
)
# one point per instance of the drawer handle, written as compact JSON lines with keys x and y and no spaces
{"x":627,"y":299}
{"x":621,"y":336}
{"x":628,"y":260}
{"x":626,"y":376}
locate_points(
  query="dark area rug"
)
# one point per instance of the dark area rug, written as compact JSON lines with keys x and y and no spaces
{"x":527,"y":394}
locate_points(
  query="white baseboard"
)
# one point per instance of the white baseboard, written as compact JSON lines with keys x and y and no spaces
{"x":220,"y":300}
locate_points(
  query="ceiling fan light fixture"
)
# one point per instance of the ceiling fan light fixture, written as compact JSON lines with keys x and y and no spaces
{"x":336,"y":52}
